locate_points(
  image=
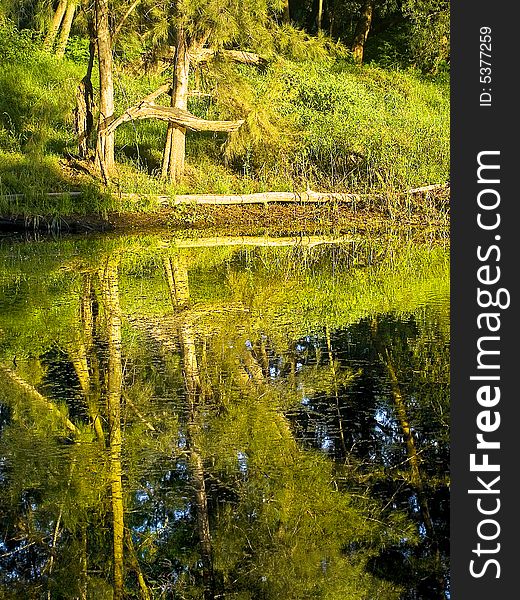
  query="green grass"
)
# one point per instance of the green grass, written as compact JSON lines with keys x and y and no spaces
{"x":289,"y":292}
{"x":325,"y":124}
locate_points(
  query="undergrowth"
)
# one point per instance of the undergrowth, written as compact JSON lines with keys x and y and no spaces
{"x":324,"y":124}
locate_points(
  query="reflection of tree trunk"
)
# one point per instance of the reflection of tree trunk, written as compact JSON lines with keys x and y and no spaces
{"x":332,"y":365}
{"x":362,"y":31}
{"x":110,"y":294}
{"x":81,"y":351}
{"x":415,"y":464}
{"x":411,"y":448}
{"x":56,"y":534}
{"x":65,"y":29}
{"x":134,"y":562}
{"x":261,"y":353}
{"x":177,"y":277}
{"x":253,"y":376}
{"x":83,"y":580}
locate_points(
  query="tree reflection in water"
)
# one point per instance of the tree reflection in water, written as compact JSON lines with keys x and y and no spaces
{"x":224,"y":422}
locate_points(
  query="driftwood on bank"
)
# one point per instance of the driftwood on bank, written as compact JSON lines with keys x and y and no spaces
{"x":258,"y":198}
{"x":307,"y":197}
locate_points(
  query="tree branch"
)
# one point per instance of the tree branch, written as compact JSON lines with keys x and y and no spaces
{"x":201,"y":55}
{"x":33,"y":393}
{"x":130,"y":10}
{"x":147,"y":109}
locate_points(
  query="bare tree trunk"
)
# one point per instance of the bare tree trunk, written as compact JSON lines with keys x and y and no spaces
{"x":83,"y":113}
{"x":83,"y":347}
{"x":105,"y":141}
{"x":54,"y":27}
{"x":319,"y":18}
{"x":362,"y":31}
{"x":286,"y":14}
{"x":175,"y":146}
{"x":110,"y":291}
{"x":65,"y":29}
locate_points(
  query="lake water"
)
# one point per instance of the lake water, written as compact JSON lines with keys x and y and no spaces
{"x":224,"y":418}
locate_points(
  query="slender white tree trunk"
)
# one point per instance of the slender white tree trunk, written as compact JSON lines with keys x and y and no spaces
{"x":65,"y":29}
{"x":54,"y":27}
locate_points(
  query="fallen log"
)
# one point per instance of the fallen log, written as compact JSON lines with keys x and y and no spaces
{"x":308,"y":197}
{"x":147,"y":109}
{"x":258,"y":198}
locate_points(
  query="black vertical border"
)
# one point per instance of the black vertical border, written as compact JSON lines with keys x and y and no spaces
{"x":474,"y":129}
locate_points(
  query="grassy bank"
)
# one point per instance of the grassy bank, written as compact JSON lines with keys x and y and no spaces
{"x":323,"y":124}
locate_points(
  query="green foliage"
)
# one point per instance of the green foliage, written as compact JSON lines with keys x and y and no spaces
{"x":311,"y":118}
{"x":37,"y":98}
{"x":430,"y":32}
{"x":15,"y":44}
{"x":337,"y":127}
{"x":78,"y":49}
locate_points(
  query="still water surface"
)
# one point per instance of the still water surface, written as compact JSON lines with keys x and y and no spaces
{"x":214,"y":419}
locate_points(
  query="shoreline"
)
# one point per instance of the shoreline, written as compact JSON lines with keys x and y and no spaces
{"x":277,"y":219}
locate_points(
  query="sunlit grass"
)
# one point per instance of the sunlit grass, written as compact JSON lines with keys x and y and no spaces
{"x":324,"y":124}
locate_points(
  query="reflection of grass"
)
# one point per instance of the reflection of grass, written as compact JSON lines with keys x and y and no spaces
{"x":288,"y":293}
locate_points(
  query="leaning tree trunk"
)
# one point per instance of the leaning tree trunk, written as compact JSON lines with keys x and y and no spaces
{"x":65,"y":29}
{"x":362,"y":31}
{"x":105,"y":140}
{"x":54,"y":27}
{"x":175,"y":147}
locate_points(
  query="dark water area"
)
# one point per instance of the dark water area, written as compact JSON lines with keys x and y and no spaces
{"x":224,"y":418}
